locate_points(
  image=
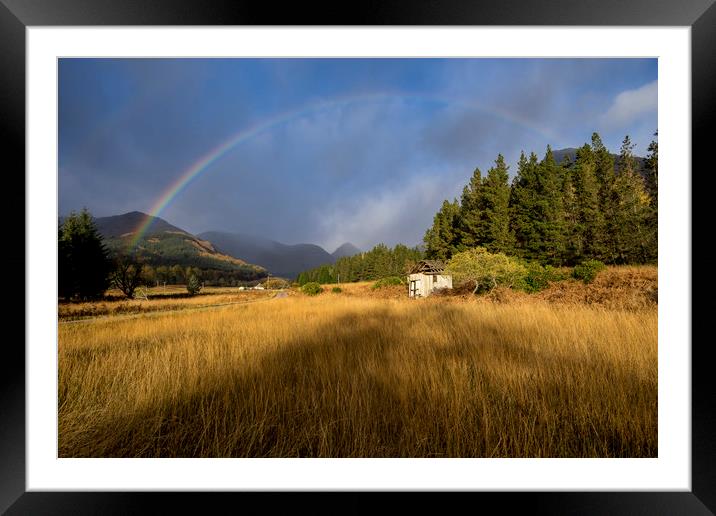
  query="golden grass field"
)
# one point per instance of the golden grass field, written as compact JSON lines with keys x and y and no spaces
{"x":569,"y":372}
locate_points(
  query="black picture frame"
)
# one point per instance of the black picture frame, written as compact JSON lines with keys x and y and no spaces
{"x":16,"y":15}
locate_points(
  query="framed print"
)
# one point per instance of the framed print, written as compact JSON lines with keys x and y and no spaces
{"x":446,"y":280}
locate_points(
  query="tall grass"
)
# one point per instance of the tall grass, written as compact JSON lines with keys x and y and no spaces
{"x":336,"y":376}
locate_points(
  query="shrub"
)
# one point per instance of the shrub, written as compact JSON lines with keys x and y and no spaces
{"x":275,"y":283}
{"x":193,"y":286}
{"x":336,"y":290}
{"x":485,"y":270}
{"x":385,"y":282}
{"x":312,"y":288}
{"x":587,"y":270}
{"x":538,"y":277}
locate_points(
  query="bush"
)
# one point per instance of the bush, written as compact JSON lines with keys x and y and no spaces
{"x":386,"y":282}
{"x":193,"y":285}
{"x":276,"y":283}
{"x":587,"y":270}
{"x":312,"y":288}
{"x":336,"y":290}
{"x":485,"y":270}
{"x":538,"y":277}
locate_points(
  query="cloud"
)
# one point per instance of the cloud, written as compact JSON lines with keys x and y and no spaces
{"x":397,"y":214}
{"x":631,"y":105}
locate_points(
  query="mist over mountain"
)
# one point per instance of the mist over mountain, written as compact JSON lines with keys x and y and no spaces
{"x":280,"y":259}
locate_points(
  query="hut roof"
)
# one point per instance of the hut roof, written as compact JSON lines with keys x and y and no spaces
{"x":428,"y":267}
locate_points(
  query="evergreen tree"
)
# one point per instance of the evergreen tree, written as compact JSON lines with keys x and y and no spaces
{"x":652,"y":171}
{"x":494,"y":199}
{"x":589,"y":233}
{"x":470,"y":224}
{"x":550,"y":222}
{"x":83,"y":260}
{"x":441,"y":239}
{"x":572,"y":238}
{"x":523,"y":208}
{"x":631,"y":205}
{"x":537,"y":211}
{"x":652,"y":174}
{"x":606,"y":178}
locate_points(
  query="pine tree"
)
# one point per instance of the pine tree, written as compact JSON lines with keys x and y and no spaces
{"x":572,"y":237}
{"x":537,"y":210}
{"x":631,"y":210}
{"x":469,"y":229}
{"x":551,"y":219}
{"x":494,"y":199}
{"x":652,"y":174}
{"x":83,"y":260}
{"x":523,"y":208}
{"x":441,"y":239}
{"x":652,"y":171}
{"x":590,"y":230}
{"x":606,"y":178}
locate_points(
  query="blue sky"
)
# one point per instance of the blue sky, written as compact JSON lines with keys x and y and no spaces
{"x":367,"y":149}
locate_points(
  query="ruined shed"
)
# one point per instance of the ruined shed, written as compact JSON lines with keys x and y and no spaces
{"x":426,"y":276}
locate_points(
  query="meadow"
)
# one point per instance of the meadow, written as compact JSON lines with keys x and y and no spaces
{"x":568,"y":372}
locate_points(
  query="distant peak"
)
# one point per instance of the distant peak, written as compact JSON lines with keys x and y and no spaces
{"x":346,"y":249}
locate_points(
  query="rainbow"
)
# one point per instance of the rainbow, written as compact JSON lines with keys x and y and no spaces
{"x":215,"y":154}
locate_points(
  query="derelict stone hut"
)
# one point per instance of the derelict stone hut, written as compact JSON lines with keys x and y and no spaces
{"x":426,"y":276}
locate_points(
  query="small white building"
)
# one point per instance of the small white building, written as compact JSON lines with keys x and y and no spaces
{"x":426,"y":276}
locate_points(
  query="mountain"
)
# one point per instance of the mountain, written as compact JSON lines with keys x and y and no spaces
{"x":117,"y":226}
{"x":165,"y":244}
{"x":346,"y":249}
{"x":279,"y":259}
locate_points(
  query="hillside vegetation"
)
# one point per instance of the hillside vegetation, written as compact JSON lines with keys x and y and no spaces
{"x":98,"y":247}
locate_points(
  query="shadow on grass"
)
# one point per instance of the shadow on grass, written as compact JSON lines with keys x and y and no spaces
{"x":343,"y":398}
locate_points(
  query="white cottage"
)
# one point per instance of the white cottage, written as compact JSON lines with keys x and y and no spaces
{"x":426,"y":276}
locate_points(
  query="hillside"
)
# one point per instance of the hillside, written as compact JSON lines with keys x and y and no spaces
{"x":166,"y":244}
{"x":279,"y":259}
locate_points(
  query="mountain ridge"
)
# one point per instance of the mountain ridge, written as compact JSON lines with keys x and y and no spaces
{"x":286,"y":260}
{"x":571,"y":153}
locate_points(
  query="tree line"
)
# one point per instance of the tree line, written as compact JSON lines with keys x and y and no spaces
{"x":380,"y":262}
{"x":595,"y":207}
